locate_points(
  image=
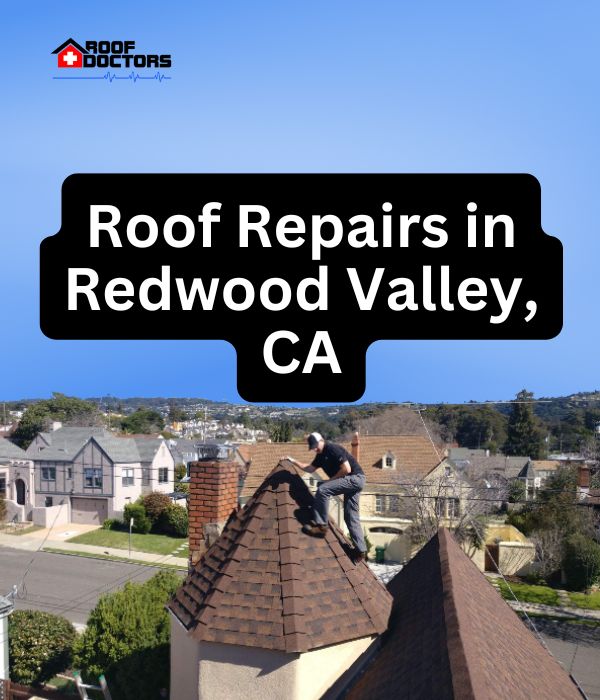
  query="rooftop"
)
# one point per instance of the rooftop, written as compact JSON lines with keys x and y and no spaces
{"x":451,"y":637}
{"x":266,"y":584}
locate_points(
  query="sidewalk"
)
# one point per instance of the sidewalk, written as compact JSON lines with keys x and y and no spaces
{"x":55,"y":539}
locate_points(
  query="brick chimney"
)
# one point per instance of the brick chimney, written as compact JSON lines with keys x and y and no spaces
{"x":355,"y":444}
{"x":213,"y":496}
{"x":583,"y":481}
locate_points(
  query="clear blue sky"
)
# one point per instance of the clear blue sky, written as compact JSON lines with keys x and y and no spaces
{"x":305,"y":87}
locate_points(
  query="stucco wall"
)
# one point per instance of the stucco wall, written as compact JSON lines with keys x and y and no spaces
{"x":52,"y":516}
{"x":209,"y":671}
{"x":124,"y":494}
{"x":319,"y":669}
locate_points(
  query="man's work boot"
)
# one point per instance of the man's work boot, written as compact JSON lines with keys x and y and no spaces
{"x":356,"y":555}
{"x":314,"y":530}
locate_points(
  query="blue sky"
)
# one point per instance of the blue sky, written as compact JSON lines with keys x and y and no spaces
{"x":305,"y":87}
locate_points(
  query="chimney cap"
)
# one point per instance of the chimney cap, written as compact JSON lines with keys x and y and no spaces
{"x":213,"y":451}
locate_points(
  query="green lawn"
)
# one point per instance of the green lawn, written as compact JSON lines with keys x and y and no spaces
{"x":530,"y":594}
{"x":590,"y":602}
{"x":155,"y":544}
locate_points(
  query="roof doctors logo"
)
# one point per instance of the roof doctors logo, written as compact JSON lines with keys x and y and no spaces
{"x":110,"y":56}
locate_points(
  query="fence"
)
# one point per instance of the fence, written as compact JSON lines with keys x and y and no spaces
{"x":9,"y":690}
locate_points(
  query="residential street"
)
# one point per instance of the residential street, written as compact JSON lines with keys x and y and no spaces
{"x":64,"y":585}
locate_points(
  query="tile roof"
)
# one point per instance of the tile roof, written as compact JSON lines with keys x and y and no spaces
{"x":266,"y":584}
{"x":452,"y":637}
{"x":415,"y":457}
{"x":8,"y":450}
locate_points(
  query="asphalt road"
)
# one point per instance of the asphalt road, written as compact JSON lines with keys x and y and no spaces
{"x":64,"y":585}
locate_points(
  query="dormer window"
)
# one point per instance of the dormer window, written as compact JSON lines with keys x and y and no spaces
{"x":388,"y":460}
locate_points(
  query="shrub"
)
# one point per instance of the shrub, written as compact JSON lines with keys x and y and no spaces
{"x":180,"y":471}
{"x":174,"y":521}
{"x":141,"y":522}
{"x":2,"y":509}
{"x":581,"y":562}
{"x":127,"y":639}
{"x":112,"y":524}
{"x":155,"y":504}
{"x":39,"y":645}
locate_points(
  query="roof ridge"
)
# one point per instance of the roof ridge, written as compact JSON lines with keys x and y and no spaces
{"x":462,"y":682}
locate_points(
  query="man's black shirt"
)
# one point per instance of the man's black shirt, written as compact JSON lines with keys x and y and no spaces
{"x":332,"y":458}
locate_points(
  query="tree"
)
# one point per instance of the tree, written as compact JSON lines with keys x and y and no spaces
{"x":127,"y":639}
{"x":581,"y":562}
{"x":40,"y":645}
{"x":69,"y":410}
{"x":155,"y":504}
{"x":281,"y":432}
{"x":144,"y":420}
{"x":523,"y":434}
{"x":176,"y":414}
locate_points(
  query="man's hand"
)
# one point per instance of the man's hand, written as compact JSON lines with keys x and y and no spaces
{"x":344,"y":470}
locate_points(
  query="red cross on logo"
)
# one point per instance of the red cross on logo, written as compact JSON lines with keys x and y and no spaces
{"x":70,"y":57}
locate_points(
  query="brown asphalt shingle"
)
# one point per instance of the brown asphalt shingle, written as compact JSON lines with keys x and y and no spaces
{"x":266,"y":584}
{"x":452,"y":637}
{"x":415,"y":457}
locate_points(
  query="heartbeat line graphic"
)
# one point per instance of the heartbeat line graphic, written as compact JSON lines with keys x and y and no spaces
{"x":133,"y":76}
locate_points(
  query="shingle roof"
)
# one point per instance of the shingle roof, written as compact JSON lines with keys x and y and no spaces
{"x":120,"y":450}
{"x":266,"y":584}
{"x":147,"y":447}
{"x":8,"y":450}
{"x":528,"y":472}
{"x":64,"y":443}
{"x":452,"y":637}
{"x":415,"y":457}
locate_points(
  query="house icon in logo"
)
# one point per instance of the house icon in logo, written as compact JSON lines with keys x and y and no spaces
{"x":70,"y":54}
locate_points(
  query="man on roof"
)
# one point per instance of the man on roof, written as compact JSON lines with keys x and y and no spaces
{"x":346,"y":478}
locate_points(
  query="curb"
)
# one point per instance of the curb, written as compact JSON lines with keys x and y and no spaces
{"x":109,"y":557}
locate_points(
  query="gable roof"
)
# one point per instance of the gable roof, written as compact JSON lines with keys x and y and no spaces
{"x":147,"y":447}
{"x":415,"y":458}
{"x":64,"y":443}
{"x":71,"y":42}
{"x":266,"y":584}
{"x":452,"y":637}
{"x":8,"y":450}
{"x":528,"y":472}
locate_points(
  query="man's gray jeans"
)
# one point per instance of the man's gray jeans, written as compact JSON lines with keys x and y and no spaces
{"x":350,"y":487}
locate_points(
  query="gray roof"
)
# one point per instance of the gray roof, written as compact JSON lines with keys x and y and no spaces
{"x":147,"y":447}
{"x":8,"y":450}
{"x":119,"y":449}
{"x":476,"y":466}
{"x":181,"y":448}
{"x":64,"y":443}
{"x":528,"y":472}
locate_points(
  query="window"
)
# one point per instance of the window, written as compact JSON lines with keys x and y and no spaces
{"x":387,"y":504}
{"x":389,"y":461}
{"x":453,"y":507}
{"x":394,"y":504}
{"x":69,"y":472}
{"x":163,"y":475}
{"x":92,"y":478}
{"x":48,"y":502}
{"x":49,"y":473}
{"x":2,"y":485}
{"x":128,"y":476}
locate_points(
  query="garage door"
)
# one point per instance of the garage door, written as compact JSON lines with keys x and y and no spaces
{"x":89,"y":511}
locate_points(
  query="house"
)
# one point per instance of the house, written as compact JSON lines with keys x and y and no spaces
{"x":70,"y":54}
{"x":16,"y":480}
{"x":268,"y":612}
{"x":94,"y":473}
{"x":393,"y":465}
